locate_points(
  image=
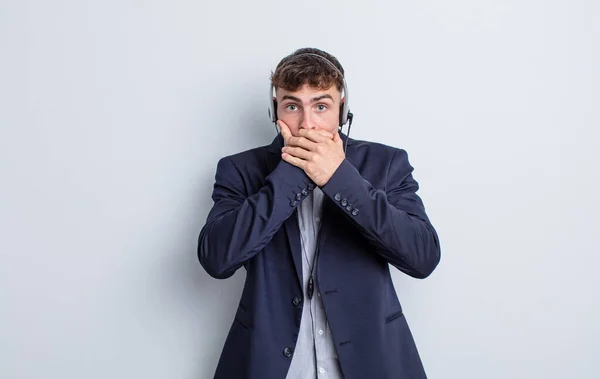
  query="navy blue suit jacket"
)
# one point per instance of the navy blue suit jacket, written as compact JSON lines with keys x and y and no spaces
{"x":372,"y":217}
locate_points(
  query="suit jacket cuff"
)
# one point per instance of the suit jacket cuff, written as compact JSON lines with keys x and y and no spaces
{"x":347,"y":188}
{"x":292,"y":183}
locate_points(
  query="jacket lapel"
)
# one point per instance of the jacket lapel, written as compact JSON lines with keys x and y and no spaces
{"x":291,"y":225}
{"x":292,"y":230}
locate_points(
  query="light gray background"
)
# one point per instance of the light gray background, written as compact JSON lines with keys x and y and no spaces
{"x":113,"y":115}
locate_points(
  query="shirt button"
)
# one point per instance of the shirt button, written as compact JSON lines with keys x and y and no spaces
{"x":354,"y":211}
{"x":321,"y":370}
{"x":320,"y":332}
{"x":317,"y":219}
{"x":296,"y":300}
{"x":344,"y":202}
{"x":292,"y":203}
{"x":287,"y":352}
{"x":337,"y":196}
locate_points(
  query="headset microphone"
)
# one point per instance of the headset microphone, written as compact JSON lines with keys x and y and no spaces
{"x":350,"y":118}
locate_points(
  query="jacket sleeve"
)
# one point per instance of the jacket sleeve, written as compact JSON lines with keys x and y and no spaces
{"x":238,"y":226}
{"x":393,"y":220}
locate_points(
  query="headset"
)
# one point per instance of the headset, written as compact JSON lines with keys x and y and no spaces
{"x":345,"y":115}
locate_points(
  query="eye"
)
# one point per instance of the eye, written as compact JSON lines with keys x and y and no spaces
{"x":291,"y":107}
{"x":321,"y":107}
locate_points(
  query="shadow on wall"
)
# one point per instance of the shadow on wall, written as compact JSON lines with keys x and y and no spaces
{"x":190,"y":311}
{"x":217,"y":300}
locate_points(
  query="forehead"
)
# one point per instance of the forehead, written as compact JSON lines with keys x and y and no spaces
{"x":306,"y":92}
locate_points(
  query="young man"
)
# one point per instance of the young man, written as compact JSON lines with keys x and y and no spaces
{"x":316,"y":218}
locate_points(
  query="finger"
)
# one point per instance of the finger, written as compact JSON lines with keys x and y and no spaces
{"x":298,"y":152}
{"x":301,"y":163}
{"x":337,"y":139}
{"x":302,"y":142}
{"x":315,"y":135}
{"x":325,"y":133}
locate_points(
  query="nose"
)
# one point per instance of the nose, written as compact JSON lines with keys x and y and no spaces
{"x":308,"y":121}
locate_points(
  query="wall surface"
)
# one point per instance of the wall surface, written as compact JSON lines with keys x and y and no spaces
{"x":113,"y":115}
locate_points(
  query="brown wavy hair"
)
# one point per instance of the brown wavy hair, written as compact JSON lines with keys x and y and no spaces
{"x":296,"y":69}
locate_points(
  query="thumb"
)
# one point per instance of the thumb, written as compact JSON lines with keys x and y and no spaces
{"x":283,"y":129}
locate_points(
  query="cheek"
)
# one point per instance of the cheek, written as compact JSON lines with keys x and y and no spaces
{"x":294,"y":129}
{"x":292,"y":123}
{"x":330,"y":122}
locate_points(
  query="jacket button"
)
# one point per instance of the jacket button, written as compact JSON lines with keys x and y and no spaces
{"x":287,"y":352}
{"x":292,"y":203}
{"x":344,"y":202}
{"x":349,"y":207}
{"x":296,"y":300}
{"x":337,"y":196}
{"x":354,"y":211}
{"x":310,"y":186}
{"x":298,"y":196}
{"x":304,"y":192}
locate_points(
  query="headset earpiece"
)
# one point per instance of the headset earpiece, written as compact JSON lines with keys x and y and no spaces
{"x":274,"y":110}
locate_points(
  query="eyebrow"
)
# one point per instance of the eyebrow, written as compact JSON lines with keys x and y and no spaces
{"x":294,"y":98}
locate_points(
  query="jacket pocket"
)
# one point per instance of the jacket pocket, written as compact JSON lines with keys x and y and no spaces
{"x":394,"y":316}
{"x":242,"y":317}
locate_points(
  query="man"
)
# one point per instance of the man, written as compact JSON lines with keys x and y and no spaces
{"x":316,"y":218}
